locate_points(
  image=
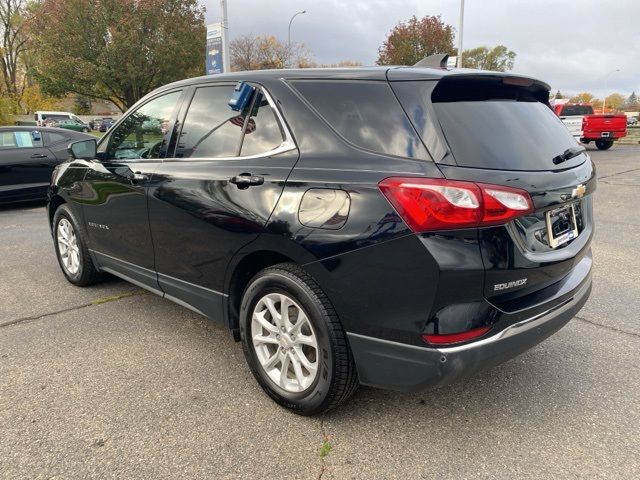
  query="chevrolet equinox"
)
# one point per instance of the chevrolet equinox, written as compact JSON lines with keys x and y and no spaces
{"x":398,"y":227}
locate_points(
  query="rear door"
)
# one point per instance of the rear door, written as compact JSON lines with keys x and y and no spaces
{"x":25,"y":165}
{"x":502,"y":132}
{"x":216,"y":193}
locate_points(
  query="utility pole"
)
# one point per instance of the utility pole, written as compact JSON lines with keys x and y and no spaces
{"x":460,"y":28}
{"x":225,"y":37}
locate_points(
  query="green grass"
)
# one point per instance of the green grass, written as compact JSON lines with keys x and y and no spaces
{"x":97,"y":133}
{"x":325,"y":449}
{"x":113,"y":298}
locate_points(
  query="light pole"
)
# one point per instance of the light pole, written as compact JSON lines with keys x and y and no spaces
{"x":290,"y":22}
{"x":604,"y":100}
{"x":460,"y":27}
{"x":225,"y":37}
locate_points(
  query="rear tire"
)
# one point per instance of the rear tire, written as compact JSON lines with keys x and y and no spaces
{"x":273,"y":343}
{"x":86,"y":130}
{"x":604,"y":144}
{"x":71,"y":249}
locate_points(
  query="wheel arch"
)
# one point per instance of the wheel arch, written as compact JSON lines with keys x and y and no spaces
{"x":266,"y":251}
{"x":240,"y":274}
{"x":54,"y":203}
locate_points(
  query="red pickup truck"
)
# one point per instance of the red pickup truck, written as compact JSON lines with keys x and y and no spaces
{"x":586,"y":126}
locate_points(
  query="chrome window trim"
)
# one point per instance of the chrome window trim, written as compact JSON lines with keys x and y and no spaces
{"x":287,"y":144}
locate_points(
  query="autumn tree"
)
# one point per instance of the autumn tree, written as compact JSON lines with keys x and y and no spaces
{"x":116,"y":50}
{"x":411,"y":41}
{"x":584,"y":97}
{"x":6,"y":111}
{"x":340,"y":64}
{"x":82,"y":105}
{"x":614,"y":101}
{"x":631,"y":103}
{"x":262,"y":52}
{"x":498,"y":58}
{"x":12,"y":45}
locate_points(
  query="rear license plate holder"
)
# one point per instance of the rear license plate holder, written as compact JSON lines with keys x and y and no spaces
{"x":562,"y":225}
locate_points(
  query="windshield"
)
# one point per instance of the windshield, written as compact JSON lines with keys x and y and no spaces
{"x":493,"y":123}
{"x":505,"y":134}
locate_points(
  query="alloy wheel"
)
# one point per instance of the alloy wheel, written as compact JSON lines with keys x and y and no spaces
{"x":68,"y":246}
{"x":284,"y":342}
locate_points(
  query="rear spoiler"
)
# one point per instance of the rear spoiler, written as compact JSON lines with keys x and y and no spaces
{"x":438,"y":60}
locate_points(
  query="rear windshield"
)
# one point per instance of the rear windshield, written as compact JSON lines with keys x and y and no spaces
{"x":573,"y":110}
{"x":488,"y":125}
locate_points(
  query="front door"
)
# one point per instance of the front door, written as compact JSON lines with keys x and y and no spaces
{"x":216,"y":193}
{"x":115,"y":204}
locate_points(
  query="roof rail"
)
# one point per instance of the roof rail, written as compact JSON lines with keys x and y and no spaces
{"x":438,"y":60}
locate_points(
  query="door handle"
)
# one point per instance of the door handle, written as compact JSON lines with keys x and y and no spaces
{"x":38,"y":155}
{"x":245,"y":180}
{"x":139,"y":177}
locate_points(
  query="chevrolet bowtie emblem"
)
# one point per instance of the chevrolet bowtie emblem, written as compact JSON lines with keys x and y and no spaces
{"x":579,"y":191}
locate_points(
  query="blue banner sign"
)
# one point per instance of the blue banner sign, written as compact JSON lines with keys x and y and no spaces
{"x":214,"y":49}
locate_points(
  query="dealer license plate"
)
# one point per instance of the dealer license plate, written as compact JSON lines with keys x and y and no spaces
{"x":561,"y":225}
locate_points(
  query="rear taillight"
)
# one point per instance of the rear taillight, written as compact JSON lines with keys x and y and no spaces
{"x":453,"y":338}
{"x":427,"y":204}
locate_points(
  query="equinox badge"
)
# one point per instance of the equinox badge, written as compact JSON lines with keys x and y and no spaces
{"x":514,"y":283}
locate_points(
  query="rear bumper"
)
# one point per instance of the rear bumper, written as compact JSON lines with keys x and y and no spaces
{"x":612,"y":135}
{"x":397,"y":366}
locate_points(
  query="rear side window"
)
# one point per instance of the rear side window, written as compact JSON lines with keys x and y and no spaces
{"x":492,"y":125}
{"x":263,"y":132}
{"x":56,"y":138}
{"x":211,"y":129}
{"x":366,"y":114}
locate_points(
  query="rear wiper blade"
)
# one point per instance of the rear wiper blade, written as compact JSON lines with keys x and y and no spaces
{"x":568,"y":154}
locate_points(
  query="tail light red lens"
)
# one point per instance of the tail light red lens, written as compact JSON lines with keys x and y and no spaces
{"x":453,"y":338}
{"x":427,"y":204}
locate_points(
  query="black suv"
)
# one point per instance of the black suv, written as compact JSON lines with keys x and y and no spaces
{"x":396,"y":227}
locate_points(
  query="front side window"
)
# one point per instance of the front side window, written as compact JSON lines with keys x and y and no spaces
{"x":211,"y":129}
{"x":20,"y":139}
{"x":143,"y":134}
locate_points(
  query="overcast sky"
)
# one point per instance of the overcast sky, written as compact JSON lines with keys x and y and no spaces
{"x":574,"y":45}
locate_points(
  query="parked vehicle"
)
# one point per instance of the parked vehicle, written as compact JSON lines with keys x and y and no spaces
{"x":42,"y":116}
{"x":396,"y":227}
{"x":52,"y":121}
{"x":106,"y":124}
{"x":586,"y":126}
{"x":95,"y":123}
{"x":632,"y":121}
{"x":73,"y":125}
{"x":28,"y":156}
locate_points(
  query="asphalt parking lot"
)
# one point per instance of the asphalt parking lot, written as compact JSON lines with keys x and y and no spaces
{"x":111,"y":382}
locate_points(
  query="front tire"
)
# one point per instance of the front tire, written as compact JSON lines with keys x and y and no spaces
{"x":86,"y":130}
{"x":71,"y":249}
{"x":294,"y":343}
{"x":604,"y":144}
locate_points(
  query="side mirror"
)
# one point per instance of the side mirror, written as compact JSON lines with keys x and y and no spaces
{"x":83,"y":149}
